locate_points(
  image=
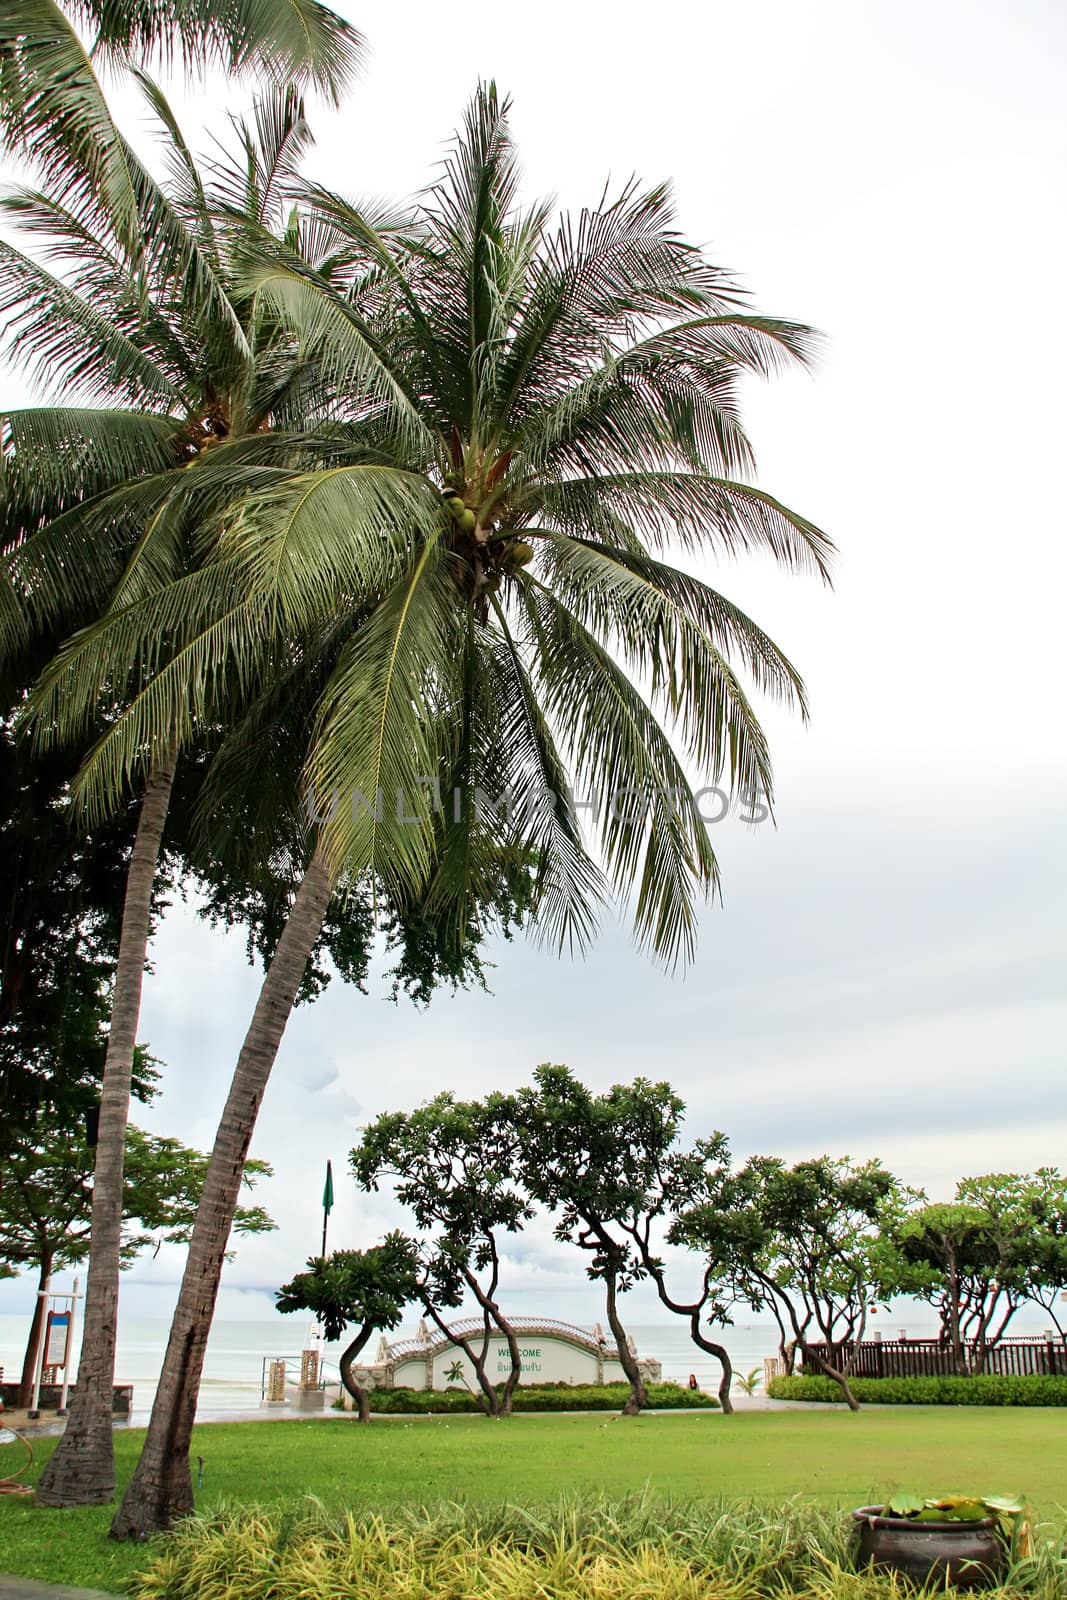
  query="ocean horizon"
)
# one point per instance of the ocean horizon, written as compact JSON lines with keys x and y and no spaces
{"x":239,"y":1347}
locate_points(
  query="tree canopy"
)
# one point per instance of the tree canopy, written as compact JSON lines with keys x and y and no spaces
{"x":362,"y":1289}
{"x":456,"y":1165}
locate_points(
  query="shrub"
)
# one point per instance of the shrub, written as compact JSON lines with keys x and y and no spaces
{"x":986,"y":1389}
{"x":539,"y":1397}
{"x":579,"y":1549}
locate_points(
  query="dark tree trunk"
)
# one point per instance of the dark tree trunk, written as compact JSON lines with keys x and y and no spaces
{"x":33,"y":1344}
{"x":161,"y":1489}
{"x":488,"y":1396}
{"x":955,"y":1338}
{"x":492,"y":1311}
{"x":828,"y":1370}
{"x":692,"y":1311}
{"x":638,"y":1397}
{"x":346,"y":1363}
{"x":81,"y":1471}
{"x":722,"y":1356}
{"x":515,"y":1372}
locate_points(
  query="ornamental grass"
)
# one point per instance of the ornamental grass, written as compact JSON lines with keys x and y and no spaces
{"x":584,"y":1549}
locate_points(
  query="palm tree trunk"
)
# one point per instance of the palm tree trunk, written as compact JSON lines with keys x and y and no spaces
{"x":638,"y":1396}
{"x":29,"y":1360}
{"x":82,"y":1470}
{"x":161,"y":1488}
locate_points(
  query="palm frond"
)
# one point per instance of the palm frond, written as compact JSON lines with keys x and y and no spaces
{"x":331,"y":537}
{"x":53,"y":111}
{"x":353,"y":355}
{"x":289,"y":41}
{"x":571,"y":888}
{"x":650,"y":829}
{"x":376,"y":753}
{"x":680,"y":635}
{"x":254,"y":183}
{"x":64,"y":343}
{"x":696,"y":510}
{"x":187,"y":184}
{"x":55,"y":458}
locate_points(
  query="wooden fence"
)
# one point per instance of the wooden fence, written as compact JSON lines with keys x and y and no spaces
{"x":929,"y":1358}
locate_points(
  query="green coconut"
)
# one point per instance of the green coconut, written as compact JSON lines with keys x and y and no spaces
{"x":455,"y":506}
{"x":520,"y":554}
{"x":467,"y":520}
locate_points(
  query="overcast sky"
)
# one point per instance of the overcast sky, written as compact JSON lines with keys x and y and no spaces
{"x":886,"y":975}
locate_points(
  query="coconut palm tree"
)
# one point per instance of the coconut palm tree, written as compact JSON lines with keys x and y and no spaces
{"x":545,"y":410}
{"x":197,"y":397}
{"x":52,"y":105}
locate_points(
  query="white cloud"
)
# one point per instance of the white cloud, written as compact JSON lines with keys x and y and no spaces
{"x":886,"y":975}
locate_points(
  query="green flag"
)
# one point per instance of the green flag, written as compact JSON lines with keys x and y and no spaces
{"x":327,"y":1193}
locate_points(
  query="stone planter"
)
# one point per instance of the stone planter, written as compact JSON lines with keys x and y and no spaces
{"x":969,"y":1555}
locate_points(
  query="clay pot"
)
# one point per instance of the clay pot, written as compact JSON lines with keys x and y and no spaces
{"x":968,"y":1555}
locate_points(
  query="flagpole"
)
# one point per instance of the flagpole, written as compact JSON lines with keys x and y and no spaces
{"x":327,"y":1204}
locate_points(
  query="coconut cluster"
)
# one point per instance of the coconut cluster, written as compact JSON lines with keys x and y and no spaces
{"x":506,"y":552}
{"x":459,"y":511}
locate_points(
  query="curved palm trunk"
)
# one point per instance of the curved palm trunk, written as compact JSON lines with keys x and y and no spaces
{"x":82,"y":1470}
{"x":161,"y":1488}
{"x":638,"y":1396}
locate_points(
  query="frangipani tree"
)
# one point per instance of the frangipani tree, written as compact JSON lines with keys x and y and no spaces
{"x":543,"y":409}
{"x":362,"y":1290}
{"x":805,"y":1243}
{"x":998,"y":1244}
{"x":594,"y":1161}
{"x":455,"y":1164}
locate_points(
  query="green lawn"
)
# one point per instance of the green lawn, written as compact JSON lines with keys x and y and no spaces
{"x":836,"y":1457}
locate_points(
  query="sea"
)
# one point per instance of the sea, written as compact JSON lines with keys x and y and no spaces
{"x":238,"y":1353}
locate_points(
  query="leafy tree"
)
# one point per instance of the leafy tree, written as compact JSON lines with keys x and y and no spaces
{"x":593,"y":1160}
{"x":453,"y":1164}
{"x":46,"y":1198}
{"x":977,"y":1260}
{"x":803,"y":1243}
{"x":675,"y":1180}
{"x":365,"y":1289}
{"x":950,"y":1259}
{"x":573,"y":392}
{"x":1035,"y":1206}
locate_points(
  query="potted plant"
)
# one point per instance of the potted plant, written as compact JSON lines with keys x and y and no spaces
{"x":965,"y":1540}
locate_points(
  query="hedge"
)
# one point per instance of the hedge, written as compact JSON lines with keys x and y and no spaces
{"x":986,"y":1389}
{"x":540,"y":1397}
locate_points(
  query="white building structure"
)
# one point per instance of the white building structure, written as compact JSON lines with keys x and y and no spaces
{"x":552,"y":1352}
